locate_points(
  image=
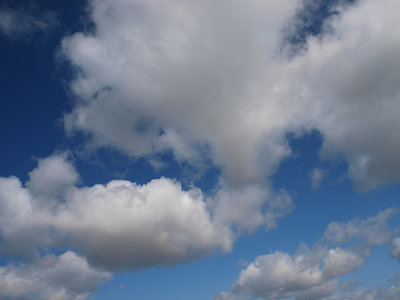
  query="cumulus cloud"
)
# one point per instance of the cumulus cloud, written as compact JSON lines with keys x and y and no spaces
{"x":190,"y":76}
{"x":52,"y":177}
{"x":279,"y":275}
{"x":351,"y":77}
{"x":121,"y":225}
{"x":186,"y":72}
{"x":67,"y":277}
{"x":23,"y":22}
{"x":311,"y":273}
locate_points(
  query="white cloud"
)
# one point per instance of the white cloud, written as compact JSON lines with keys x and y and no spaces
{"x":365,"y":233}
{"x":313,"y":273}
{"x":319,"y":291}
{"x":249,"y":207}
{"x":279,"y":275}
{"x":67,"y":277}
{"x":351,"y":78}
{"x":123,"y":225}
{"x":52,"y":177}
{"x":22,"y":22}
{"x":117,"y":226}
{"x":22,"y":227}
{"x":185,"y":75}
{"x":185,"y":72}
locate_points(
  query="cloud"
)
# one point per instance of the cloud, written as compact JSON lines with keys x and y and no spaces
{"x":249,"y":207}
{"x":319,"y":291}
{"x":395,"y":251}
{"x":185,"y":76}
{"x":52,"y":177}
{"x":121,"y":225}
{"x":351,"y":79}
{"x":279,"y":275}
{"x":312,"y":273}
{"x":316,"y":176}
{"x":362,"y":233}
{"x":228,"y":296}
{"x":350,"y":285}
{"x":66,"y":277}
{"x":21,"y":23}
{"x":390,"y":291}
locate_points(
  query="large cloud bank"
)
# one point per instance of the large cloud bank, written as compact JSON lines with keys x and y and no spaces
{"x":214,"y":76}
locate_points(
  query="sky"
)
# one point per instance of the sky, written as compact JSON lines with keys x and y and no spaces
{"x":223,"y":150}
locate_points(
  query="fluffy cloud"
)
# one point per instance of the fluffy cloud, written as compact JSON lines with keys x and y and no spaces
{"x":52,"y":177}
{"x":312,"y":273}
{"x":22,"y":22}
{"x":278,"y":275}
{"x":352,"y":79}
{"x":123,"y":225}
{"x":67,"y":277}
{"x":118,"y":226}
{"x":187,"y":72}
{"x":191,"y":76}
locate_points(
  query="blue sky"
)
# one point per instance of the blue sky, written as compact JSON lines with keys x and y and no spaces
{"x":225,"y":150}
